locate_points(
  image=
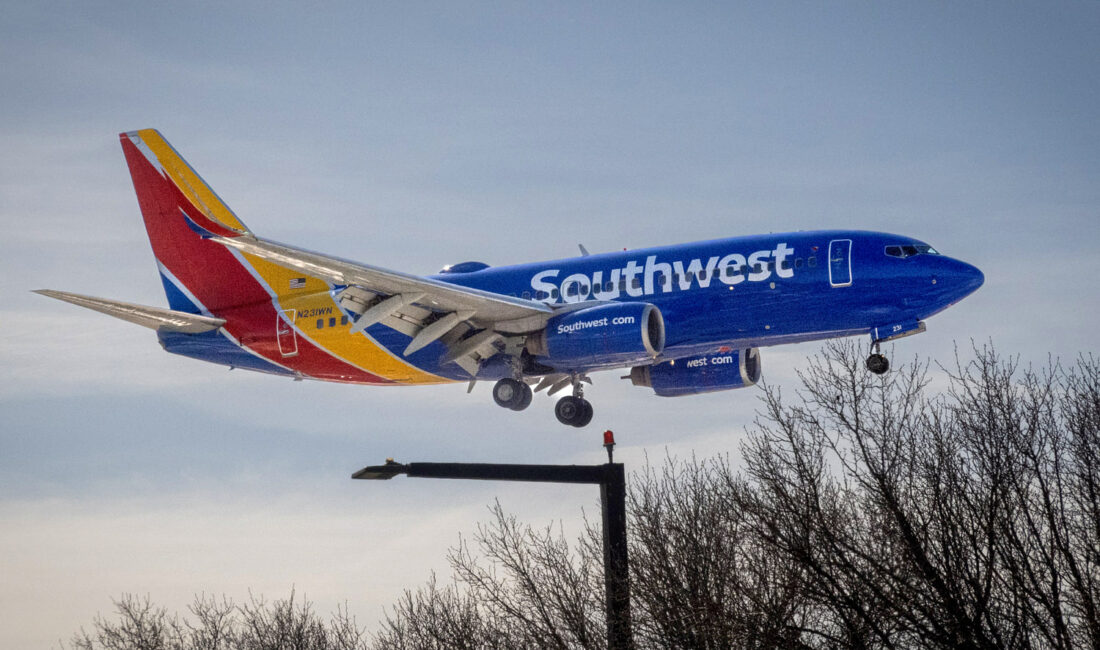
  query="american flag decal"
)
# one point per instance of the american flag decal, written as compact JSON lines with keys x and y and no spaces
{"x":297,"y":283}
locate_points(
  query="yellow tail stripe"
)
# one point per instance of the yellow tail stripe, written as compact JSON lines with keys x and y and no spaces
{"x":356,"y":349}
{"x":190,"y":183}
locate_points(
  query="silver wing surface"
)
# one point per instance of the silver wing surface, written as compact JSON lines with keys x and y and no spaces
{"x":474,"y":324}
{"x":164,"y":320}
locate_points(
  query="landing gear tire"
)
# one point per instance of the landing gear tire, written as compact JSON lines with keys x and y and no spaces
{"x":586,"y":417}
{"x":573,"y":411}
{"x":526,"y":395}
{"x":512,"y":394}
{"x":506,"y":393}
{"x":877,"y":364}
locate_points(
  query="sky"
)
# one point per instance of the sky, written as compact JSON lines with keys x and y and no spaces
{"x":414,"y":135}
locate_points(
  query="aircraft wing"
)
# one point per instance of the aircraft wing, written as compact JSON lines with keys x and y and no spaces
{"x":425,"y":309}
{"x":504,"y":313}
{"x":164,"y":320}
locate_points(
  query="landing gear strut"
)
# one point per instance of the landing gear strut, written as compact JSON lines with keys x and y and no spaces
{"x":877,"y":363}
{"x":512,"y":394}
{"x":574,"y":410}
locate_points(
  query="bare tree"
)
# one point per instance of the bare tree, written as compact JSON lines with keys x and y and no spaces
{"x":868,"y":512}
{"x":953,"y":520}
{"x":541,"y":592}
{"x":141,"y":626}
{"x":441,"y":618}
{"x":219,"y":624}
{"x":700,"y":577}
{"x":214,"y":627}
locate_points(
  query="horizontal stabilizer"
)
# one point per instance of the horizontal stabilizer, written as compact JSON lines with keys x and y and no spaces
{"x":164,"y":320}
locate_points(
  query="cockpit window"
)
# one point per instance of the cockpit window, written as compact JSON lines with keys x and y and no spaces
{"x":910,"y":250}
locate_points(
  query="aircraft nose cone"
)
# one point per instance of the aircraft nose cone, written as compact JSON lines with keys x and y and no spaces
{"x":964,"y":279}
{"x":972,"y":277}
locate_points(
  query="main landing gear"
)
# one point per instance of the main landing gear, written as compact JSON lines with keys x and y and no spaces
{"x":573,"y":410}
{"x":877,"y":363}
{"x":512,"y":394}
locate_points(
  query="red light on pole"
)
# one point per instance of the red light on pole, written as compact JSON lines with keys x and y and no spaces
{"x":609,"y":443}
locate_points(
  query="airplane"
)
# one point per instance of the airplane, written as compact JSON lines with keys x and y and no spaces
{"x":684,"y":319}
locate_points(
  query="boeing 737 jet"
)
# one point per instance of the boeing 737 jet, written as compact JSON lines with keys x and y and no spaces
{"x":681,"y":319}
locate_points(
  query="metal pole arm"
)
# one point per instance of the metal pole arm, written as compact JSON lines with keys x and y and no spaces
{"x":590,"y":474}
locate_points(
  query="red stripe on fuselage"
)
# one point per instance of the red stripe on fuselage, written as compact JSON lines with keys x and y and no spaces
{"x":217,"y":278}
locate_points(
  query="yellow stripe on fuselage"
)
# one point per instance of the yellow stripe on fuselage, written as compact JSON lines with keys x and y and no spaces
{"x":312,"y":301}
{"x":194,"y":188}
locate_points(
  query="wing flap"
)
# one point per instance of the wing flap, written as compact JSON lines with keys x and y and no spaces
{"x":155,"y":318}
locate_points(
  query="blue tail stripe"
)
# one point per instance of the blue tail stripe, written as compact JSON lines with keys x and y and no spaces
{"x":216,"y":347}
{"x":176,"y":299}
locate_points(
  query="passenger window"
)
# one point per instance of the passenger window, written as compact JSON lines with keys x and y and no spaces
{"x":636,"y":283}
{"x":320,"y":323}
{"x":554,"y":294}
{"x":332,"y":322}
{"x":798,"y":262}
{"x":811,"y":261}
{"x":343,"y":320}
{"x":526,"y":295}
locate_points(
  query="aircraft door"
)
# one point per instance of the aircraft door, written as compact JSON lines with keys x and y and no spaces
{"x":285,"y":334}
{"x":840,"y":262}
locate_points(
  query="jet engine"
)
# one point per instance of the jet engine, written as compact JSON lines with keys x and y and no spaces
{"x":614,"y":334}
{"x":702,"y":374}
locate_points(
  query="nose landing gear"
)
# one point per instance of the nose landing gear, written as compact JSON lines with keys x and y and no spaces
{"x":876,"y":362}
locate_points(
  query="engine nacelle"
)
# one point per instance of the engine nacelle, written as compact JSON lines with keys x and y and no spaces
{"x":703,"y":374}
{"x":614,"y":334}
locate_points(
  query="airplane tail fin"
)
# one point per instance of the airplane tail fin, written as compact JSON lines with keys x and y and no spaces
{"x":182,"y":214}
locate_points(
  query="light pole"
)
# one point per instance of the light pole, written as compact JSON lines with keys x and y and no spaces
{"x":612,"y":481}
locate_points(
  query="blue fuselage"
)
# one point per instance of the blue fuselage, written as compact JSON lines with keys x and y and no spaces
{"x":752,"y":291}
